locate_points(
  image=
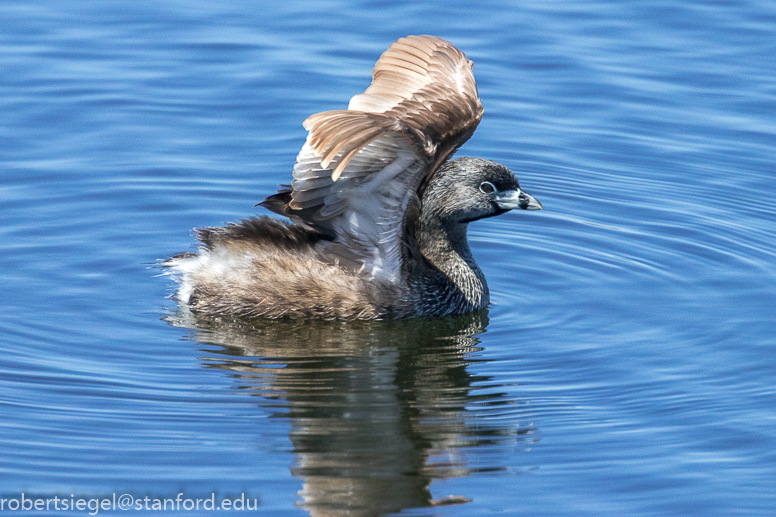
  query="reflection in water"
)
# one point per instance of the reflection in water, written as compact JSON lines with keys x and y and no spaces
{"x":377,"y":409}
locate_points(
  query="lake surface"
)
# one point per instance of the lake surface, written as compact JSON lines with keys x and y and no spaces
{"x":626,"y":366}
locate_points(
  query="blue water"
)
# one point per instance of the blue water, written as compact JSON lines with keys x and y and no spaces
{"x":626,"y":366}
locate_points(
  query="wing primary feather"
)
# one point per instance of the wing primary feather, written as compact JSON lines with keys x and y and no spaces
{"x":343,"y":162}
{"x":357,"y":139}
{"x":343,"y":131}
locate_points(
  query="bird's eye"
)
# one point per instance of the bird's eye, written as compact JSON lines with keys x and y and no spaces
{"x":486,"y":187}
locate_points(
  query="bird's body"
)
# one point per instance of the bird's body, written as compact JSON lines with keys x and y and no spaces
{"x":378,"y":215}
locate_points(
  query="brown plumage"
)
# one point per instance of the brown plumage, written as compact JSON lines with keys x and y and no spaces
{"x":379,"y":216}
{"x":423,"y":87}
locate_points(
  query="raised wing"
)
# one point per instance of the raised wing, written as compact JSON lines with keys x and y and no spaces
{"x":360,"y":168}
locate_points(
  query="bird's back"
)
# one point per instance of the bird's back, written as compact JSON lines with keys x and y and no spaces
{"x":263,"y":267}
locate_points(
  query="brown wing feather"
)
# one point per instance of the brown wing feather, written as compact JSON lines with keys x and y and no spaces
{"x":361,"y":171}
{"x":424,"y":83}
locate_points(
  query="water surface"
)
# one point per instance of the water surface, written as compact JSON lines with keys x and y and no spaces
{"x":626,"y":366}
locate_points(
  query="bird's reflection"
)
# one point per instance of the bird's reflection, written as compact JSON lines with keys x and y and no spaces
{"x":377,"y":409}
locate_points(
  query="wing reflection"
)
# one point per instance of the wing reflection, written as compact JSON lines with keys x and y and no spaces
{"x":377,"y":409}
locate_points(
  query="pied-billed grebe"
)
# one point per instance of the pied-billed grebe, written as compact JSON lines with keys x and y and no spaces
{"x":379,"y":216}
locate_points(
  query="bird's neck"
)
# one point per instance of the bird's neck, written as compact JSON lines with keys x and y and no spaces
{"x":446,"y":247}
